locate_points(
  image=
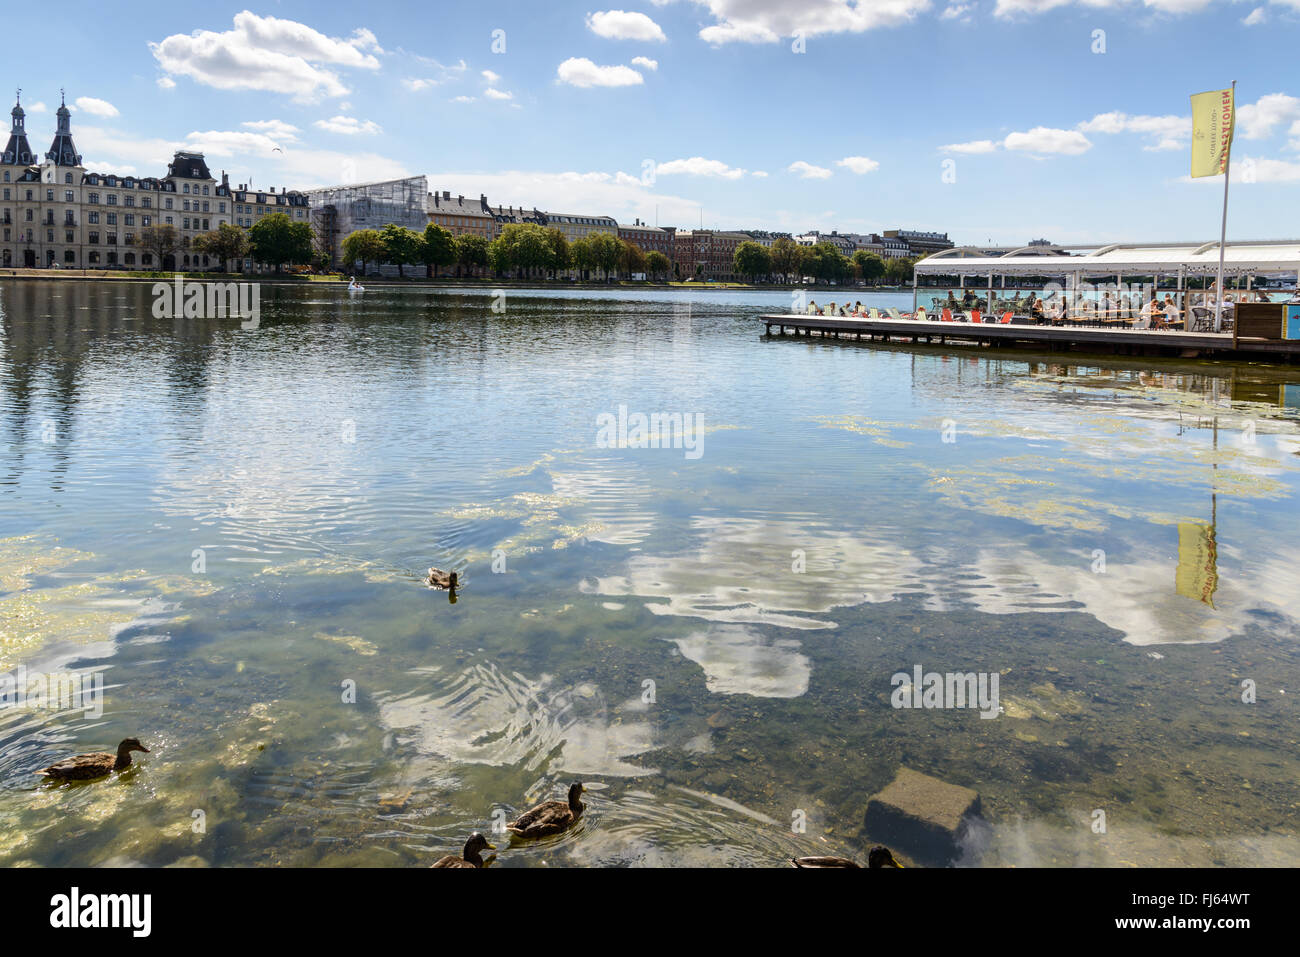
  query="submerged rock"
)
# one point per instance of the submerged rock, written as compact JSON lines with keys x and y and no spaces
{"x":925,"y":816}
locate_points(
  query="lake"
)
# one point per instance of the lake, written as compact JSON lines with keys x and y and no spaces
{"x":229,"y":528}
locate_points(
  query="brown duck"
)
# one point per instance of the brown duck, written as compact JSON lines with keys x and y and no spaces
{"x":470,"y":857}
{"x":879,"y":856}
{"x":85,"y":767}
{"x":437,"y":578}
{"x":550,"y":817}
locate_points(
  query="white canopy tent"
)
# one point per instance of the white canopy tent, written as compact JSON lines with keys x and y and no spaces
{"x":1115,"y":261}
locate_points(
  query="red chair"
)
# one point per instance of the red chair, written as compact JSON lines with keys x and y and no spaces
{"x":975,"y":316}
{"x":946,"y":315}
{"x":1006,"y":318}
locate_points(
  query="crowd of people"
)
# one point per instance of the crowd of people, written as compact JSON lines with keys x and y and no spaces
{"x":1143,"y":312}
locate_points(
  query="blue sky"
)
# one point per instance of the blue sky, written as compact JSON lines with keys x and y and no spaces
{"x":999,"y":120}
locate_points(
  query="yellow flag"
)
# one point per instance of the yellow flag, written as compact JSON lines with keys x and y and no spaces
{"x":1214,"y":116}
{"x":1198,"y":566}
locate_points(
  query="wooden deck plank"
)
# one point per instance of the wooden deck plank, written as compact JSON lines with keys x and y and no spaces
{"x":1012,"y":333}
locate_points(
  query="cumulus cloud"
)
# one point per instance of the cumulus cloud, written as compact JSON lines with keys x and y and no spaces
{"x":858,"y":164}
{"x":267,"y":53}
{"x":1255,"y":17}
{"x":251,"y":149}
{"x":622,"y":25}
{"x":621,"y":195}
{"x":1043,"y":139}
{"x":94,"y":106}
{"x":582,"y":72}
{"x":348,"y":126}
{"x":698,"y":166}
{"x":973,"y":147}
{"x":646,"y":62}
{"x":1011,"y":8}
{"x":37,"y":107}
{"x":166,"y":83}
{"x":808,"y":170}
{"x":1167,"y":132}
{"x":494,"y":94}
{"x":1259,"y":120}
{"x":492,"y":78}
{"x":766,"y":21}
{"x":276,"y":129}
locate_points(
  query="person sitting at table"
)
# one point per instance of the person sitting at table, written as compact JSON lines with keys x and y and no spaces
{"x":857,"y":308}
{"x":1036,"y":308}
{"x":812,"y":308}
{"x":1151,"y":315}
{"x":829,"y":310}
{"x":1172,"y":314}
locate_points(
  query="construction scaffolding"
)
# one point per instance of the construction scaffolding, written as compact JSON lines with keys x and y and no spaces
{"x":338,"y":211}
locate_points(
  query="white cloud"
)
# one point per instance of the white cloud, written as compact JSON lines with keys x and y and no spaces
{"x":271,"y":160}
{"x":267,"y":53}
{"x":463,"y":99}
{"x":698,"y":166}
{"x":622,"y":25}
{"x":94,"y":106}
{"x":808,"y":171}
{"x":766,"y":21}
{"x":165,"y":83}
{"x":492,"y":78}
{"x":579,"y":71}
{"x":1168,"y":132}
{"x":620,"y":195}
{"x":646,"y":62}
{"x":1256,"y":17}
{"x":37,"y":107}
{"x":415,"y":84}
{"x":1010,"y":8}
{"x":1043,"y":139}
{"x":858,"y":164}
{"x":973,"y":147}
{"x":278,"y":130}
{"x":958,"y":11}
{"x":1258,"y":120}
{"x":495,"y":94}
{"x":760,"y":174}
{"x":348,"y":126}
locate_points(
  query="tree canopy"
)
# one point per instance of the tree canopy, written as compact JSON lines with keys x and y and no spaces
{"x":277,"y":239}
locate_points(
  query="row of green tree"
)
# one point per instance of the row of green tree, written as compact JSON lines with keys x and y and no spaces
{"x":785,"y":260}
{"x":274,"y":240}
{"x":523,"y":250}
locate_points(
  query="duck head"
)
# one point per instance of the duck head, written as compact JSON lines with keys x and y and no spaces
{"x":575,"y":795}
{"x":475,"y":846}
{"x":881,"y":856}
{"x":131,"y":744}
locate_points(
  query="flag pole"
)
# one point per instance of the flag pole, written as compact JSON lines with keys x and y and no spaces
{"x":1223,"y":232}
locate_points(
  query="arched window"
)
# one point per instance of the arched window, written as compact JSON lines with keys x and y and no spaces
{"x":129,"y":259}
{"x":146,"y":259}
{"x":67,"y":178}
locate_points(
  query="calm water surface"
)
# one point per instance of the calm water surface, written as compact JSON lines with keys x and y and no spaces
{"x":230,"y":526}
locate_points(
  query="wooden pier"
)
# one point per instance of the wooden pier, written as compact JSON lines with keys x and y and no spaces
{"x":1064,"y":338}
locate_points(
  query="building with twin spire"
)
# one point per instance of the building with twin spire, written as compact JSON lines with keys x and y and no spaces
{"x":55,"y":213}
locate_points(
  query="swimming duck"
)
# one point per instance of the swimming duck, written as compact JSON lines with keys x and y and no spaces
{"x":437,"y":578}
{"x":84,"y":767}
{"x":550,"y":817}
{"x":470,"y":856}
{"x":879,"y":856}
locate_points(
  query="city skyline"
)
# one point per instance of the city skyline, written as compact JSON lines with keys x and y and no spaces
{"x":996,"y":122}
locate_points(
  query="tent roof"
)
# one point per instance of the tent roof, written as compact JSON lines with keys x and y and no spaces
{"x":1197,"y":259}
